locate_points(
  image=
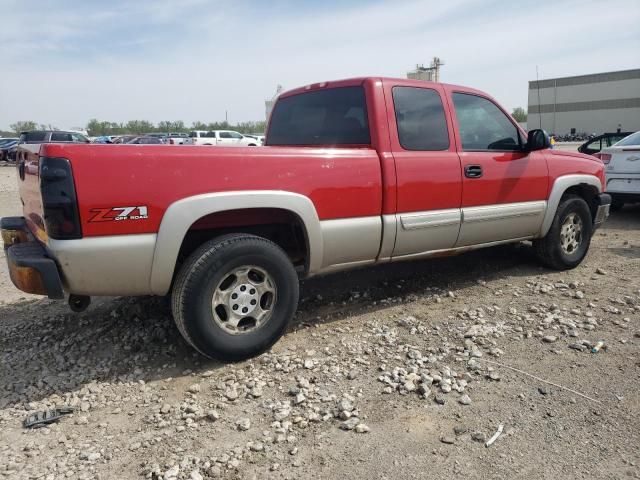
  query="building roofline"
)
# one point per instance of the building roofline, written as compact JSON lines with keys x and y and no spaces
{"x":586,"y":79}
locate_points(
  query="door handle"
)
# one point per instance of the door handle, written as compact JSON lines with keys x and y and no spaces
{"x":473,"y":171}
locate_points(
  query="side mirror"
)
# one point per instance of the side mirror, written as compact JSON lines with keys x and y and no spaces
{"x":537,"y":140}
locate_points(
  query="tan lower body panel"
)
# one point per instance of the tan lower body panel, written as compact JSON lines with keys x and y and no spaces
{"x":495,"y":223}
{"x":112,"y":265}
{"x":425,"y":231}
{"x":350,"y":241}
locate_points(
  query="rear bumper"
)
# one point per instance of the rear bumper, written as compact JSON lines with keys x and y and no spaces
{"x":602,"y":209}
{"x":623,"y":183}
{"x":30,"y":269}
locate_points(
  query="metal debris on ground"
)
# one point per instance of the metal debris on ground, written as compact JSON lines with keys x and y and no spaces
{"x":542,"y":380}
{"x":495,"y":436}
{"x":45,"y":417}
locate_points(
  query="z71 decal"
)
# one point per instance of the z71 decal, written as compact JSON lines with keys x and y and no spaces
{"x":118,"y":214}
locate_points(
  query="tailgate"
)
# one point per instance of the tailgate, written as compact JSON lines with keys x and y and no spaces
{"x":28,"y":165}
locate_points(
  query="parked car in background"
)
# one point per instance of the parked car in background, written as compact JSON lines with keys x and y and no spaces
{"x":162,"y":136}
{"x":146,"y":140}
{"x":595,"y":144}
{"x":48,"y":136}
{"x":257,"y":136}
{"x":6,"y":145}
{"x":123,"y":139}
{"x":222,"y":138}
{"x":53,"y":136}
{"x":622,"y":170}
{"x":177,"y":138}
{"x":102,"y":139}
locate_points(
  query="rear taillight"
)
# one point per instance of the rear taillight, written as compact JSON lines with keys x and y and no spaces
{"x":605,"y":157}
{"x":59,"y":202}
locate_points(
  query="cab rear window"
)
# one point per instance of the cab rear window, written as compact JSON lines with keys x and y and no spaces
{"x":335,"y":116}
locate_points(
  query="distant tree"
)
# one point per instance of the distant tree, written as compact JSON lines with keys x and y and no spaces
{"x":519,"y":114}
{"x":97,"y":127}
{"x":199,"y":126}
{"x":250,"y":127}
{"x":164,"y":126}
{"x":139,"y":126}
{"x":178,"y":126}
{"x":23,"y":126}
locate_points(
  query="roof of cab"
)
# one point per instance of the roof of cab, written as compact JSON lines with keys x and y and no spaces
{"x":351,"y":82}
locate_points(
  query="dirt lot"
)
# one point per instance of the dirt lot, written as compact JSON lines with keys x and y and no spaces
{"x":411,"y":357}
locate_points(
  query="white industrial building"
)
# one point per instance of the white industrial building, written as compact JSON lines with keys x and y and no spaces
{"x":597,"y":103}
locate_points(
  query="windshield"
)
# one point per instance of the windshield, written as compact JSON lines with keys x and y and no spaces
{"x":337,"y":116}
{"x":633,"y":139}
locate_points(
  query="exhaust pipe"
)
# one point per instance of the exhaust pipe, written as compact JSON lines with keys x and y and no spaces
{"x":79,"y":303}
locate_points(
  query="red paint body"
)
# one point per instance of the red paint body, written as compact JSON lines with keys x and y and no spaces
{"x":341,"y":182}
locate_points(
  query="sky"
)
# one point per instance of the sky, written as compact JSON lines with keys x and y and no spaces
{"x":64,"y":62}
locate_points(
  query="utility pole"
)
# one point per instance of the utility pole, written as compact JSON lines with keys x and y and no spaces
{"x":539,"y":106}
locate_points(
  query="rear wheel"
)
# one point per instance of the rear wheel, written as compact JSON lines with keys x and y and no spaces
{"x":234,"y":296}
{"x":567,"y":242}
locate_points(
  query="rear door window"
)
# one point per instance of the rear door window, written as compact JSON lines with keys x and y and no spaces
{"x":335,"y":116}
{"x":420,"y":118}
{"x":483,"y":126}
{"x":60,"y":137}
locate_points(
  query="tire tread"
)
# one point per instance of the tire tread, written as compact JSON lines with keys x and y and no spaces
{"x":198,"y":261}
{"x":547,"y":249}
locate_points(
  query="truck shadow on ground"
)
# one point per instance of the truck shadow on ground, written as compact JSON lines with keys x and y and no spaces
{"x":48,"y":350}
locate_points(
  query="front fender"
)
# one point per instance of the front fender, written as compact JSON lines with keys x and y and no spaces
{"x":560,"y":186}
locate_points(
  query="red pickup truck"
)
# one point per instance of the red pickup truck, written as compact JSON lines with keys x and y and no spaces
{"x":353,"y":172}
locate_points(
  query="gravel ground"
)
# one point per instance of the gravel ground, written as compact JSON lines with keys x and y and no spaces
{"x":394,"y":372}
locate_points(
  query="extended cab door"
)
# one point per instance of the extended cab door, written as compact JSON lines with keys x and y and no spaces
{"x":427,"y":168}
{"x":504,"y":188}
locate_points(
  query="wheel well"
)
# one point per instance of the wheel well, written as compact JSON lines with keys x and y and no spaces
{"x":587,"y":192}
{"x":282,"y":227}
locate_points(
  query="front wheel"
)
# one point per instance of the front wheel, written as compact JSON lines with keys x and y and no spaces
{"x":234,"y":296}
{"x":567,"y":242}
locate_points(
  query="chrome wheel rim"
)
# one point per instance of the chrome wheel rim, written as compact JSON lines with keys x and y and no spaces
{"x":243,"y":300}
{"x":571,"y":233}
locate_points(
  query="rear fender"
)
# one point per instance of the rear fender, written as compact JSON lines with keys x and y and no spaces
{"x":182,"y":214}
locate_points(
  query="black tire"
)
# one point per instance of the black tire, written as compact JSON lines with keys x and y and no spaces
{"x":200,"y":276}
{"x":549,"y":249}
